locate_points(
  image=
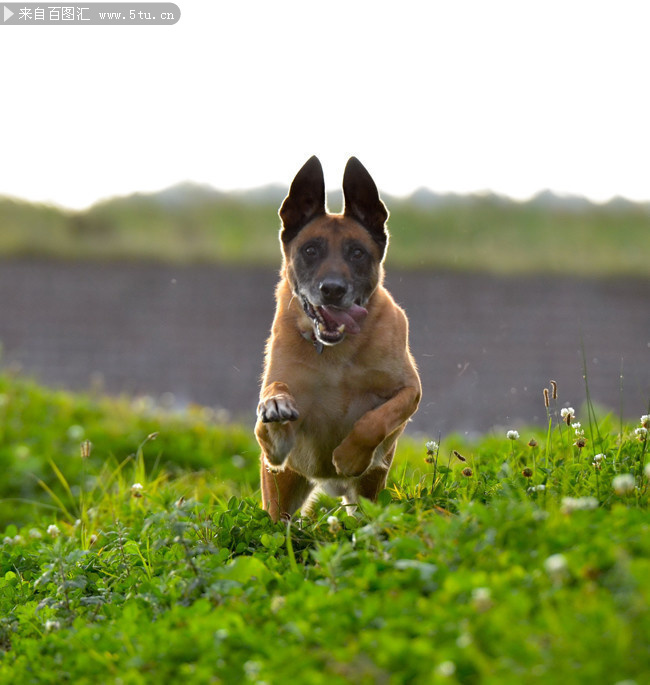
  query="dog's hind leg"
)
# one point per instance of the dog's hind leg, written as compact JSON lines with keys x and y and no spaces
{"x":356,"y":452}
{"x":283,"y":492}
{"x":373,"y":481}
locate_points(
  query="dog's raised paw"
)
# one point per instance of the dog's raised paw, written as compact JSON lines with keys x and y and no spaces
{"x":277,"y":409}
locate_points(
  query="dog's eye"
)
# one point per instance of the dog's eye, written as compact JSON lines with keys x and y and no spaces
{"x":357,"y":253}
{"x":312,"y":250}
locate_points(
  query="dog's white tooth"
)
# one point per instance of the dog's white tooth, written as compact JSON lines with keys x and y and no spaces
{"x":321,"y":328}
{"x":341,"y":328}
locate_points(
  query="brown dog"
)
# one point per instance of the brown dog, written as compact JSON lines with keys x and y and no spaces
{"x":339,"y":381}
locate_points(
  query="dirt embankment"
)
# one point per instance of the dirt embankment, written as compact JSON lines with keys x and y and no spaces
{"x":485,"y":346}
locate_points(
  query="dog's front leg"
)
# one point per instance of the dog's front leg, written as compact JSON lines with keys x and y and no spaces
{"x":274,"y":430}
{"x":355,"y":453}
{"x":283,"y":493}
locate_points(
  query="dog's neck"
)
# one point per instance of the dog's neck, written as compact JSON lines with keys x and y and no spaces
{"x":318,"y":345}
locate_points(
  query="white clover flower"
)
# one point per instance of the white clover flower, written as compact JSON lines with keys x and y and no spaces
{"x":76,"y":432}
{"x":277,"y":603}
{"x":464,"y":640}
{"x":53,"y":531}
{"x":623,"y":484}
{"x":35,"y":534}
{"x":238,"y":461}
{"x":641,"y":433}
{"x":136,"y":490}
{"x":599,"y":457}
{"x":333,"y":524}
{"x":512,"y":435}
{"x":537,"y":488}
{"x":556,"y":566}
{"x":482,"y":598}
{"x":571,"y":504}
{"x":252,"y":669}
{"x":19,"y":540}
{"x":432,"y":448}
{"x":7,"y":541}
{"x":52,"y":625}
{"x":568,"y":414}
{"x":446,"y":669}
{"x":645,"y":421}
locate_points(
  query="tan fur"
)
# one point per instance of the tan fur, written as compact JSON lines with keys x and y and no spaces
{"x":352,"y":401}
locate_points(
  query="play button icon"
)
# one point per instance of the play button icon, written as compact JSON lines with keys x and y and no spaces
{"x":8,"y":13}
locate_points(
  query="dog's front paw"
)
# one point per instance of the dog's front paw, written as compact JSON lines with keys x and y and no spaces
{"x":277,"y":409}
{"x":274,"y":466}
{"x":351,"y":459}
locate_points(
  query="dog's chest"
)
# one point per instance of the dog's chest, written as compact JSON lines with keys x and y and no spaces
{"x":329,"y":406}
{"x":341,"y":393}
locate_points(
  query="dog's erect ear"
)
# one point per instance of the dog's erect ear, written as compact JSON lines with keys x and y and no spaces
{"x":362,"y":201}
{"x":305,"y":201}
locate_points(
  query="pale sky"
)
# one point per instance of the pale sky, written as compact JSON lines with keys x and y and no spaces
{"x":509,"y":96}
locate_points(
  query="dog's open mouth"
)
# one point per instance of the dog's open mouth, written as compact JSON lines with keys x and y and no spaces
{"x":332,"y":323}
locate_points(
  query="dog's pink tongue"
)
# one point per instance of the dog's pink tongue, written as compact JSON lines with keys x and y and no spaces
{"x":350,"y":318}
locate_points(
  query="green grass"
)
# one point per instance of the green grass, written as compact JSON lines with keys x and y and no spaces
{"x":530,"y":567}
{"x":487,"y":234}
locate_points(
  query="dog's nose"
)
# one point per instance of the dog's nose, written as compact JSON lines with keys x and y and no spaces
{"x":332,"y":290}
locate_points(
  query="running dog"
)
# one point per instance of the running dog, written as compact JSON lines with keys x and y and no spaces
{"x":339,"y":382}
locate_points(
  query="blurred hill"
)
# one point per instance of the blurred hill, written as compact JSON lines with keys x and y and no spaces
{"x":192,"y":223}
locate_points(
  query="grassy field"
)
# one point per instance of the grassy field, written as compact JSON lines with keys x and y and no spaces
{"x":488,"y":234}
{"x":135,"y":551}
